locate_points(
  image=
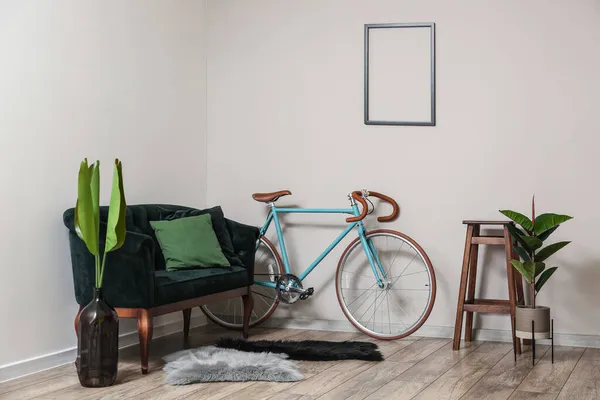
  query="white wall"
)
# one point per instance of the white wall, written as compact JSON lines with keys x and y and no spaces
{"x":89,"y":79}
{"x":517,"y":86}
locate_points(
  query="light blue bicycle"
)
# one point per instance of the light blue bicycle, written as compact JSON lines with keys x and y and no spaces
{"x":385,"y":283}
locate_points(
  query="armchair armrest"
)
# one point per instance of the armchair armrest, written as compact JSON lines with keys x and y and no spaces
{"x":128,"y":275}
{"x":244,"y":239}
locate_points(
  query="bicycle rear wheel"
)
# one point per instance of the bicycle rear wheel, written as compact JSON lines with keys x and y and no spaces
{"x":267,"y":267}
{"x":404,"y":303}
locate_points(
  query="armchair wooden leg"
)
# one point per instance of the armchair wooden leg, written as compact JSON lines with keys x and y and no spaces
{"x":187,"y":315}
{"x":144,"y":320}
{"x":248,"y":305}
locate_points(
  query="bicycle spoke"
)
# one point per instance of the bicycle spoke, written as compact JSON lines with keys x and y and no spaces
{"x":265,"y":296}
{"x":375,"y":308}
{"x":414,"y":273}
{"x":361,"y":295}
{"x":396,"y":255}
{"x":401,"y":308}
{"x":411,"y":261}
{"x":368,"y":308}
{"x":388,"y":304}
{"x":257,"y":262}
{"x":356,"y":273}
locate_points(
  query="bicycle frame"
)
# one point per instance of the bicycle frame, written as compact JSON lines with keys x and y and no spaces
{"x":365,"y":242}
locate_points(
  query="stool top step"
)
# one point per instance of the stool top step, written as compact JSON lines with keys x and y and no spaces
{"x":481,"y":222}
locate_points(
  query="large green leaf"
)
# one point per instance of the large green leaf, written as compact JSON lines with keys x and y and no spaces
{"x":547,"y":234}
{"x":518,"y":235}
{"x":84,"y":214}
{"x":522,"y":253}
{"x":547,"y":251}
{"x":544,"y":278}
{"x":519,"y":219}
{"x":548,"y":221}
{"x":115,"y":230}
{"x":539,"y":268}
{"x":94,"y":171}
{"x":533,"y":243}
{"x":526,"y":269}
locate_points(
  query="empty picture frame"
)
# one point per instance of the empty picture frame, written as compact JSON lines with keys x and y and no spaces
{"x":400,"y":74}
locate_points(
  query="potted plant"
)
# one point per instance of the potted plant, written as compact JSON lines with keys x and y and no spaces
{"x":529,"y":245}
{"x":98,"y":324}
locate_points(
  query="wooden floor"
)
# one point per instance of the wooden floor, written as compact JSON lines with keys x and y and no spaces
{"x":414,"y":368}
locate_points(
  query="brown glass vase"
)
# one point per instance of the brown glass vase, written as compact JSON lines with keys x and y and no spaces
{"x":97,"y":343}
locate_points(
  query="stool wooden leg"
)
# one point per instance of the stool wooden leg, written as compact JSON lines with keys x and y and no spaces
{"x":518,"y":280}
{"x":520,"y":294}
{"x":512,"y":293}
{"x":471,"y":287}
{"x":463,"y":289}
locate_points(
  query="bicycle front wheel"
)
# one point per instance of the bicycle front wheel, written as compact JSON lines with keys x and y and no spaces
{"x":404,"y":303}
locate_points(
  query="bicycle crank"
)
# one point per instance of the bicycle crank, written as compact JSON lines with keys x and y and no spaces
{"x":290,"y":290}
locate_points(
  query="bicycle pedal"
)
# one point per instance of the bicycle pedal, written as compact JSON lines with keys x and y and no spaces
{"x":307,"y":293}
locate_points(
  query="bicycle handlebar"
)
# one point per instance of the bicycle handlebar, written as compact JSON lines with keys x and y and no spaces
{"x":358,"y":196}
{"x":387,"y":199}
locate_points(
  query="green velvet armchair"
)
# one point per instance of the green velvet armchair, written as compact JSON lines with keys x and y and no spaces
{"x":136,"y":283}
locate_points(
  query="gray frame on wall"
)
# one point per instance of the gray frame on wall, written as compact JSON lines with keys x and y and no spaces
{"x":430,"y":121}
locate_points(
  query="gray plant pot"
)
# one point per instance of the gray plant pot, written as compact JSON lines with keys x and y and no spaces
{"x":541,"y":318}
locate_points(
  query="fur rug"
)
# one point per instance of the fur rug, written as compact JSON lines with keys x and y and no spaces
{"x":212,"y":364}
{"x":313,"y":350}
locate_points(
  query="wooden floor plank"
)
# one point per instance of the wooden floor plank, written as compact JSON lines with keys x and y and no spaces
{"x":290,"y":396}
{"x":127,"y":373}
{"x":42,"y":388}
{"x":584,"y":382}
{"x":22,"y":383}
{"x":212,"y":391}
{"x":331,"y":378}
{"x":397,"y":390}
{"x":504,"y":377}
{"x":521,"y":395}
{"x":484,"y":390}
{"x":367,"y":381}
{"x":550,"y":378}
{"x":261,"y":390}
{"x":343,"y":336}
{"x":309,"y":335}
{"x":464,"y":374}
{"x":437,"y":363}
{"x":416,"y":351}
{"x":452,"y":384}
{"x":580,"y":390}
{"x":391,"y":347}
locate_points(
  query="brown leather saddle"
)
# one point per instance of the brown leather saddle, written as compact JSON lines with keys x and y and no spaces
{"x":271,"y":196}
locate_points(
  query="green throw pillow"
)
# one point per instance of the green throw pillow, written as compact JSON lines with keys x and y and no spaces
{"x":189,"y":243}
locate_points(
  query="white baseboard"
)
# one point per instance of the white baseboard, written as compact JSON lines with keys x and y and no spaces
{"x":66,"y":356}
{"x":495,"y":335}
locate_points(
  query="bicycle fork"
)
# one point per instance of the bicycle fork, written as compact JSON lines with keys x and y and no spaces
{"x":373,"y":256}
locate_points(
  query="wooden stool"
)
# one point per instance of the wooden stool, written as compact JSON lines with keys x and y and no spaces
{"x":467,"y":288}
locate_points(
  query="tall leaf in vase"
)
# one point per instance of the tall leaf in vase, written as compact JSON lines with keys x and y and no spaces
{"x":98,"y":322}
{"x":87,"y":213}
